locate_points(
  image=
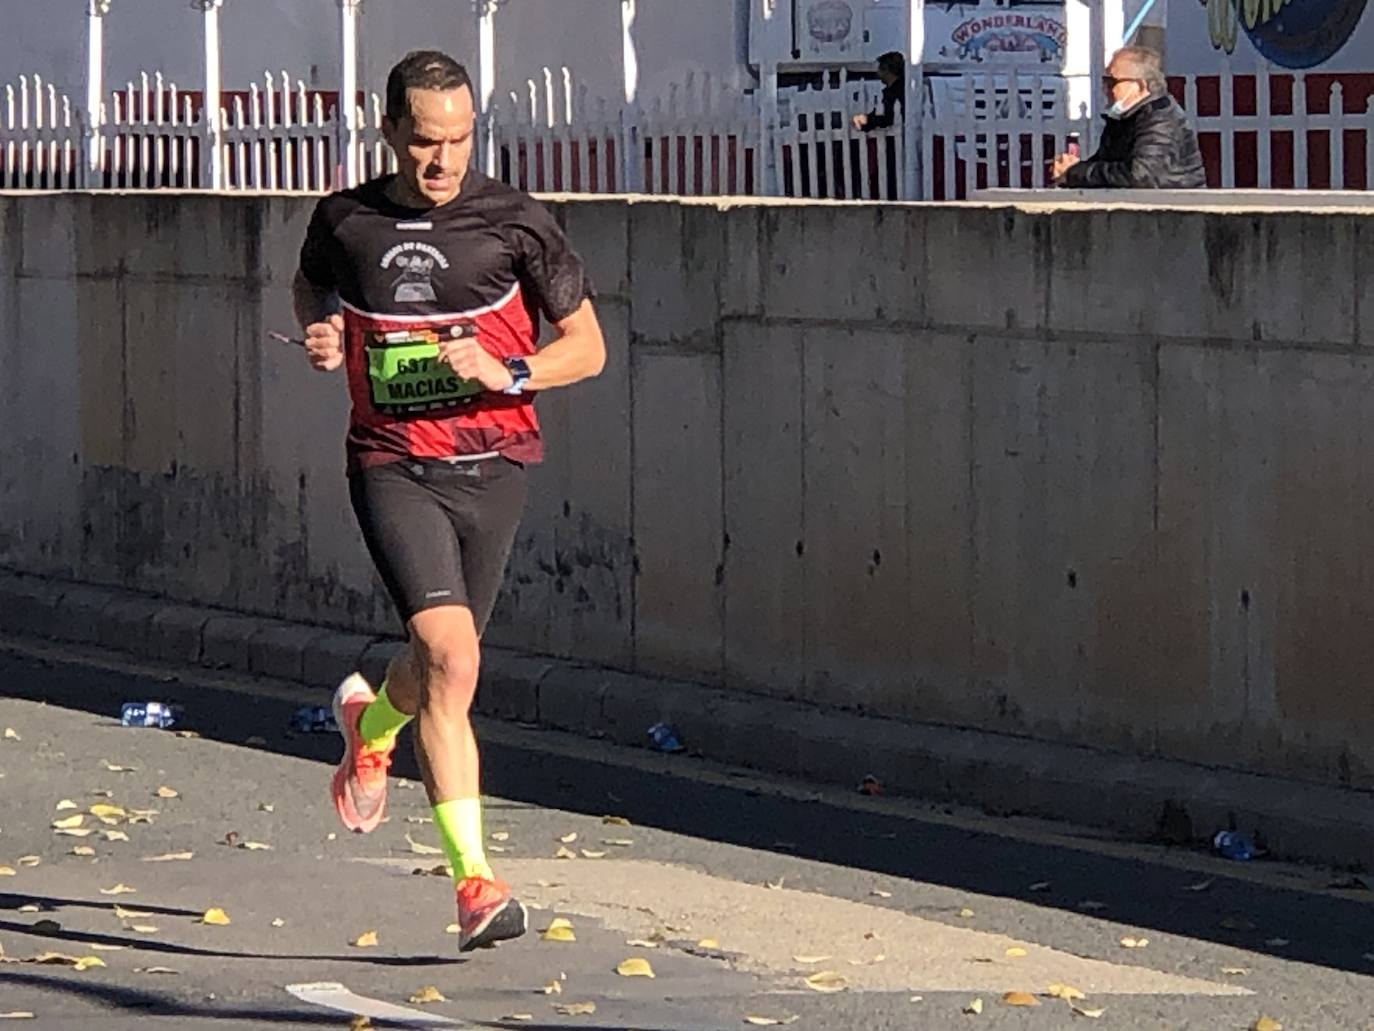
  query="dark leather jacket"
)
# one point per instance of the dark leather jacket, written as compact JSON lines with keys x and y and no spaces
{"x":1150,"y":147}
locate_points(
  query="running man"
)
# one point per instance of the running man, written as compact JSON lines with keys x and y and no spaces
{"x":428,"y":286}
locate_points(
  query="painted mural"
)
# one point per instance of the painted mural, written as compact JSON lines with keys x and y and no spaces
{"x":1297,"y":34}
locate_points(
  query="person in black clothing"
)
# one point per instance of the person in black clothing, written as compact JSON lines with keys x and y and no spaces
{"x":1146,"y":143}
{"x":892,"y":74}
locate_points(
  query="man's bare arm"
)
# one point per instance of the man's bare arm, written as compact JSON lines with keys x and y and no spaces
{"x":312,"y":303}
{"x":578,"y":352}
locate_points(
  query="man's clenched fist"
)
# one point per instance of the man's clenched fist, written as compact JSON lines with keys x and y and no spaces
{"x":324,"y":343}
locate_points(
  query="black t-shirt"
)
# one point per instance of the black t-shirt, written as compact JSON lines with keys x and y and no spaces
{"x":488,"y":263}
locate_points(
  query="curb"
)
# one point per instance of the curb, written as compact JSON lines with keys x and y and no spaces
{"x":1142,"y":798}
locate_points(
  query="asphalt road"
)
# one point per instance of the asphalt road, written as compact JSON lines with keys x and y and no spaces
{"x":734,"y":888}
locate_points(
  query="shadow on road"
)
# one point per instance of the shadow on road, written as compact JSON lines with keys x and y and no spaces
{"x":1326,"y":929}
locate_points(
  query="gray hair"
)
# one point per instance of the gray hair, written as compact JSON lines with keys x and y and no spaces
{"x":1147,"y":65}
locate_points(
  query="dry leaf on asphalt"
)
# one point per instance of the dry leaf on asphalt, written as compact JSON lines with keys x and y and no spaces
{"x":518,"y":1016}
{"x":360,"y":1023}
{"x":810,"y":959}
{"x":83,"y":850}
{"x":12,"y":735}
{"x":878,"y":893}
{"x":278,"y":922}
{"x":165,"y":792}
{"x":74,"y":832}
{"x":770,"y":1021}
{"x":641,"y":943}
{"x":422,"y":850}
{"x":589,"y":854}
{"x":255,"y":846}
{"x":560,"y":930}
{"x":452,"y":929}
{"x":428,"y":994}
{"x":1234,"y":971}
{"x":1064,"y":991}
{"x":1015,"y":952}
{"x":366,"y":940}
{"x":1020,"y":999}
{"x":1266,"y":1024}
{"x":102,"y":793}
{"x":65,"y":804}
{"x":1134,"y":943}
{"x":8,"y":871}
{"x":115,"y":835}
{"x":29,"y":860}
{"x":116,"y":768}
{"x":16,"y":1015}
{"x":618,"y":842}
{"x":498,"y":836}
{"x":708,"y":943}
{"x":553,"y":988}
{"x":68,"y":822}
{"x":615,"y":821}
{"x":1040,"y":886}
{"x":575,"y":1009}
{"x":266,"y":807}
{"x":966,"y":913}
{"x":975,"y":1007}
{"x":1201,"y":885}
{"x":77,"y":963}
{"x":155,"y":970}
{"x":1079,"y":1011}
{"x":187,"y":733}
{"x":564,"y":853}
{"x":826,"y":981}
{"x":215,"y":917}
{"x":568,"y":839}
{"x":775,"y":885}
{"x":118,"y":889}
{"x":168,"y":857}
{"x":102,"y":947}
{"x":143,"y":928}
{"x":105,"y":811}
{"x":635,"y":966}
{"x":129,"y":914}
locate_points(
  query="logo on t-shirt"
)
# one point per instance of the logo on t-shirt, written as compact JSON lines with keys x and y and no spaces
{"x":414,"y":264}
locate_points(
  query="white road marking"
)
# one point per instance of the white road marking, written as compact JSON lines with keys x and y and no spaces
{"x":335,"y":996}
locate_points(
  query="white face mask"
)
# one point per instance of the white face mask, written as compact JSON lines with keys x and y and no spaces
{"x":1117,"y":110}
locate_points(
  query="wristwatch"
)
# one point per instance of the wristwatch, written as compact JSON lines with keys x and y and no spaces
{"x":520,"y":375}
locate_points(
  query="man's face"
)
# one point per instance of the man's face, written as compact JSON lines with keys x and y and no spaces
{"x":1121,"y":85}
{"x":433,"y":143}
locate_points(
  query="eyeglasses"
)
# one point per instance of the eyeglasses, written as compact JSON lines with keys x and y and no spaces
{"x":1112,"y":81}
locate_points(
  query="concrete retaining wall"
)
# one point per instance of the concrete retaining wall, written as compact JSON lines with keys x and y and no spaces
{"x":1093,"y":477}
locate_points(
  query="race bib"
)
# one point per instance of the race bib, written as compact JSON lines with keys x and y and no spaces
{"x":406,"y":375}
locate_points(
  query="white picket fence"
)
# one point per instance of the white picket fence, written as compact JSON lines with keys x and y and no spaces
{"x":701,"y":138}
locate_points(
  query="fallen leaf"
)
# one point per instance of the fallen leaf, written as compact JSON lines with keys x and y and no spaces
{"x":103,"y":947}
{"x":497,"y":848}
{"x":215,"y":917}
{"x":366,"y":940}
{"x":65,"y":804}
{"x":641,"y":943}
{"x":404,"y":784}
{"x":975,"y":1007}
{"x":560,"y":930}
{"x":255,"y":846}
{"x":1079,"y":1011}
{"x":826,"y":981}
{"x":154,"y":970}
{"x":29,"y":860}
{"x":115,"y":768}
{"x":635,"y":966}
{"x":83,"y":850}
{"x":553,"y":988}
{"x":1041,"y":886}
{"x":8,"y":871}
{"x":360,"y":1023}
{"x":330,"y":836}
{"x":1091,"y":905}
{"x":68,"y":822}
{"x":568,"y":839}
{"x":615,"y":821}
{"x":75,"y":832}
{"x":102,"y":793}
{"x":576,"y":1009}
{"x":708,"y":943}
{"x":12,"y":735}
{"x":1134,"y":943}
{"x":810,"y":959}
{"x":1276,"y":943}
{"x":1015,"y":952}
{"x":452,"y":929}
{"x":129,"y":914}
{"x":146,"y":814}
{"x":589,"y":854}
{"x":1020,"y":999}
{"x":966,"y":913}
{"x":165,"y":792}
{"x":16,"y":1015}
{"x":1201,"y":885}
{"x":103,"y":810}
{"x":770,"y":1021}
{"x":501,"y":836}
{"x":564,"y":853}
{"x":1234,"y":971}
{"x":881,"y":894}
{"x":428,"y":994}
{"x":1064,"y":991}
{"x":143,"y":928}
{"x":118,"y":889}
{"x":168,"y":857}
{"x":278,"y":922}
{"x":517,"y":1016}
{"x":75,"y":962}
{"x":1266,"y":1024}
{"x":618,"y":842}
{"x":266,"y":807}
{"x":775,"y":885}
{"x":115,"y":835}
{"x":187,"y":733}
{"x":422,"y":850}
{"x":32,"y":907}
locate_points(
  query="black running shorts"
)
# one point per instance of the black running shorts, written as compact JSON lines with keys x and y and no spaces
{"x":440,"y":532}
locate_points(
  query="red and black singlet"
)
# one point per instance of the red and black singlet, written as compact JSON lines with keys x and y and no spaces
{"x":488,"y":263}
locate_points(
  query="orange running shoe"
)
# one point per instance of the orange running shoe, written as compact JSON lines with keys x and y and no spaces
{"x":487,"y":913}
{"x":359,"y":785}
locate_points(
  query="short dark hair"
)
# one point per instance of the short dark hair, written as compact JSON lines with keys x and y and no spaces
{"x":894,"y":62}
{"x":422,"y":69}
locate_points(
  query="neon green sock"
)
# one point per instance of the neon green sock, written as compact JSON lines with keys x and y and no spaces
{"x":460,"y":832}
{"x":381,"y":722}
